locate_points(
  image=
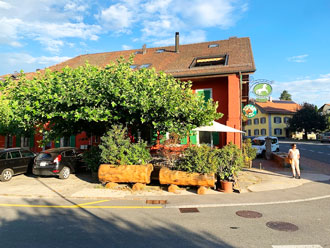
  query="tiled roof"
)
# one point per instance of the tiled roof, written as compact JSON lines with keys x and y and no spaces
{"x":238,"y":51}
{"x":278,"y":107}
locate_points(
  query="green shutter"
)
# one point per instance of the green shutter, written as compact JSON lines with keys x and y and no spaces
{"x":192,"y":138}
{"x":32,"y":141}
{"x":73,"y":141}
{"x":57,"y":143}
{"x":215,"y":139}
{"x":18,"y":141}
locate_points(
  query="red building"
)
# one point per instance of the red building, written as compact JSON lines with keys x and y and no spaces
{"x":218,"y":69}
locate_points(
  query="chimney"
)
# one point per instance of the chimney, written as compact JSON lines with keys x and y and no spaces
{"x":270,"y":99}
{"x":177,"y":42}
{"x":144,"y":49}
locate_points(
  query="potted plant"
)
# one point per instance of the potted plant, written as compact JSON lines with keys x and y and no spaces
{"x":230,"y":160}
{"x":196,"y":167}
{"x":249,"y":152}
{"x":123,"y":161}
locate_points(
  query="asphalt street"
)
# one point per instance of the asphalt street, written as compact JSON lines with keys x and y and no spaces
{"x":166,"y":227}
{"x":302,"y":215}
{"x":312,"y":150}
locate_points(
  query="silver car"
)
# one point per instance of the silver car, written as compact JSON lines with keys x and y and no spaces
{"x":325,"y":137}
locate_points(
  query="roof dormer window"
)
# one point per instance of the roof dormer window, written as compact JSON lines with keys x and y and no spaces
{"x":213,"y":45}
{"x":144,"y":66}
{"x":160,"y":51}
{"x":209,"y":61}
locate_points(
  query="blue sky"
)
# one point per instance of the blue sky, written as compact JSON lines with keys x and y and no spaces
{"x":290,"y":39}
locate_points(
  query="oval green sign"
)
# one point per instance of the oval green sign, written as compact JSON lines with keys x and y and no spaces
{"x":249,"y":111}
{"x":262,"y":89}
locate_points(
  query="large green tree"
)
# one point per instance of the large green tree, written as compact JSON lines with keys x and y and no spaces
{"x":285,"y":96}
{"x":307,"y":119}
{"x":92,"y":99}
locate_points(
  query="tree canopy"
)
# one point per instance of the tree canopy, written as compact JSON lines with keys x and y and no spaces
{"x":285,"y":96}
{"x":92,"y":99}
{"x":307,"y":119}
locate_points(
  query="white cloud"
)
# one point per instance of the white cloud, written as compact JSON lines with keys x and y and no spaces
{"x":4,"y":5}
{"x":159,"y":19}
{"x":45,"y":21}
{"x":192,"y":37}
{"x":315,"y":91}
{"x":18,"y":58}
{"x":117,"y":17}
{"x":298,"y":59}
{"x":126,"y":47}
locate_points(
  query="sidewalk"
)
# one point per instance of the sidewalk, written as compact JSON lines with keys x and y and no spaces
{"x":269,"y":178}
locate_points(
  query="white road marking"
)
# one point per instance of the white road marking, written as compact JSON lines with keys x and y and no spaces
{"x":320,"y":152}
{"x":296,"y":246}
{"x":311,"y":150}
{"x":248,"y":203}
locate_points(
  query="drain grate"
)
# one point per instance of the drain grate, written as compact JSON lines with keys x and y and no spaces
{"x":282,"y":226}
{"x":249,"y":214}
{"x":188,"y":210}
{"x":162,"y":202}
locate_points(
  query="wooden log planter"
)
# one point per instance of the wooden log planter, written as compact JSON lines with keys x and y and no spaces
{"x":125,"y":173}
{"x":173,"y":177}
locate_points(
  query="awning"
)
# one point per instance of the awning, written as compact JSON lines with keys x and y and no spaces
{"x":217,"y":127}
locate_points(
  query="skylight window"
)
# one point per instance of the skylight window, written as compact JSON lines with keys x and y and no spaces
{"x":160,"y":51}
{"x":144,"y":66}
{"x":209,"y":61}
{"x":213,"y":45}
{"x":133,"y":66}
{"x":137,"y":52}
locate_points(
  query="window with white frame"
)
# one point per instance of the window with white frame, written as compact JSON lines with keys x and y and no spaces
{"x":277,"y":120}
{"x":278,"y":131}
{"x":286,"y":119}
{"x":256,"y":121}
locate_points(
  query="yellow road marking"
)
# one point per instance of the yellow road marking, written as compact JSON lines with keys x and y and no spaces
{"x":89,"y":203}
{"x":78,"y":206}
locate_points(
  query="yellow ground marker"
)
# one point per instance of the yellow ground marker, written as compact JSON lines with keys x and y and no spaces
{"x":83,"y":205}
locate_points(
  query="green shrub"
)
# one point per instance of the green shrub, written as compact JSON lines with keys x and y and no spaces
{"x":117,"y":149}
{"x":92,"y":158}
{"x":200,"y":159}
{"x":249,"y":152}
{"x":231,"y":160}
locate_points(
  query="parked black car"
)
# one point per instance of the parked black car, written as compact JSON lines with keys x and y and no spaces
{"x":59,"y":162}
{"x":14,"y":161}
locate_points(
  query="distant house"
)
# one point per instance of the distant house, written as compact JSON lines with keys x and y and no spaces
{"x":325,"y":109}
{"x":271,"y":119}
{"x":218,"y":69}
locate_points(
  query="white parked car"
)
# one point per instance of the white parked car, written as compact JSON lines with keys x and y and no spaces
{"x":260,"y":144}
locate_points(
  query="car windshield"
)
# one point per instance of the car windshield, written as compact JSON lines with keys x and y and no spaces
{"x":44,"y":155}
{"x":257,"y":142}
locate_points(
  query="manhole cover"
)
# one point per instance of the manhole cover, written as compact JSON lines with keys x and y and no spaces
{"x":282,"y":226}
{"x":188,"y":210}
{"x":249,"y":214}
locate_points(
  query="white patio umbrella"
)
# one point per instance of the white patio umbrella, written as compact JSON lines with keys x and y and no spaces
{"x":217,"y":127}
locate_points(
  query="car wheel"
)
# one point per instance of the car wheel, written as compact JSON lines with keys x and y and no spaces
{"x":278,"y":149}
{"x":6,"y":175}
{"x":65,"y":173}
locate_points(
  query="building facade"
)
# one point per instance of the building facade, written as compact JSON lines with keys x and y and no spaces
{"x":271,"y":119}
{"x":218,"y":69}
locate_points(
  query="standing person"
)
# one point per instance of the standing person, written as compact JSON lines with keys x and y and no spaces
{"x":294,"y":157}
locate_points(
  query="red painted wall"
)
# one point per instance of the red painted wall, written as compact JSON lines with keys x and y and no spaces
{"x":226,"y":91}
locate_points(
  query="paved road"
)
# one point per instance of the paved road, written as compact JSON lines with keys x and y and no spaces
{"x":316,"y":151}
{"x":165,"y":227}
